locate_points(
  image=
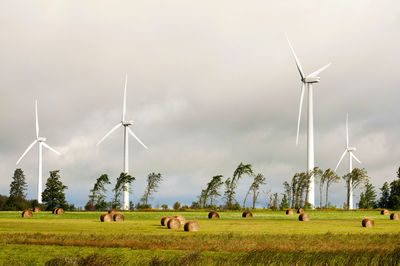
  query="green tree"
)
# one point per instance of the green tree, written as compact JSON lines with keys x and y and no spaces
{"x":354,"y":179}
{"x":384,"y":200}
{"x":97,"y":196}
{"x":394,"y":198}
{"x":53,"y":195}
{"x":275,"y":201}
{"x":18,"y":185}
{"x":176,"y":205}
{"x":211,"y":192}
{"x":231,"y":184}
{"x":164,"y":207}
{"x":120,"y":186}
{"x":254,"y":189}
{"x":288,"y":193}
{"x":367,"y":197}
{"x":319,"y":176}
{"x":330,"y":177}
{"x":153,"y":181}
{"x":284,"y":203}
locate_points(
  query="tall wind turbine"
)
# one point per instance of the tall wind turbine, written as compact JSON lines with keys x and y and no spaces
{"x":127,"y":130}
{"x":348,"y":150}
{"x":41,"y":141}
{"x":307,"y":82}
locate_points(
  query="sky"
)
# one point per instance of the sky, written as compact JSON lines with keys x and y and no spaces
{"x":211,"y":84}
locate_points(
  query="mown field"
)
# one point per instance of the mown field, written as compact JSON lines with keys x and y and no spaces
{"x":271,"y":237}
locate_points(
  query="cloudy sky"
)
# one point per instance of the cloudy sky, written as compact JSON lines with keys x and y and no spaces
{"x":211,"y":84}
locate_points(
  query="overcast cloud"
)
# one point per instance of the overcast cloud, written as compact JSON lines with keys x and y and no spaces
{"x":211,"y":84}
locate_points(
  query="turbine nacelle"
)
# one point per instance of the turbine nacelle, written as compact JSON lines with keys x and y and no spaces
{"x":41,"y":139}
{"x":311,"y":79}
{"x":127,"y":123}
{"x":350,"y":149}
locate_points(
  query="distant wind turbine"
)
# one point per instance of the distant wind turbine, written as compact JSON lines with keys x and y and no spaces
{"x":41,"y":142}
{"x":307,"y":82}
{"x":127,"y":130}
{"x":350,"y":151}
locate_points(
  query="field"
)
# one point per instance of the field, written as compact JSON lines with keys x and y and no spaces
{"x":271,"y":237}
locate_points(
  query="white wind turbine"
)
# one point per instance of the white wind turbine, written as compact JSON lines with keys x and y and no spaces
{"x":307,"y":82}
{"x":348,"y":150}
{"x":127,"y":130}
{"x":41,"y":142}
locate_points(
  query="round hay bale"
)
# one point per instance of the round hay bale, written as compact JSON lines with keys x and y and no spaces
{"x":106,"y":217}
{"x":191,"y":226}
{"x":290,"y":212}
{"x":118,"y":217}
{"x":300,"y":210}
{"x":181,"y":219}
{"x":385,"y":212}
{"x":60,"y":211}
{"x":26,"y":214}
{"x":213,"y":215}
{"x":54,"y":210}
{"x":395,"y":216}
{"x":247,"y":214}
{"x":174,"y":223}
{"x":112,"y":211}
{"x":165,"y":220}
{"x":36,"y":209}
{"x":368,"y":222}
{"x":304,"y":217}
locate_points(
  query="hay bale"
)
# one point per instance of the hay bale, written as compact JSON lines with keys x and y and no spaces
{"x":247,"y":214}
{"x":300,"y":210}
{"x":304,"y":217}
{"x":118,"y":217}
{"x":60,"y":211}
{"x":368,"y":222}
{"x":191,"y":226}
{"x":106,"y":217}
{"x":112,"y":211}
{"x":174,"y":223}
{"x":213,"y":215}
{"x":290,"y":212}
{"x":385,"y":212}
{"x":54,"y":210}
{"x":36,"y":209}
{"x":394,"y":216}
{"x":27,"y":214}
{"x":181,"y":219}
{"x":165,"y":220}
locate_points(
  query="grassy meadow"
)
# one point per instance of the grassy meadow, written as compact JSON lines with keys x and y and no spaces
{"x":270,"y":237}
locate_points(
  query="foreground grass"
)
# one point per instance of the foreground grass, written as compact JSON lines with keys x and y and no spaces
{"x":268,"y":238}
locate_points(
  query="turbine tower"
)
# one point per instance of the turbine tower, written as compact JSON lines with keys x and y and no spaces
{"x":127,"y":130}
{"x":350,"y":151}
{"x":42,"y":143}
{"x":307,"y":82}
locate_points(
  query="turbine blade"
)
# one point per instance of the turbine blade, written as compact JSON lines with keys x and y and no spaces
{"x":136,"y":137}
{"x":26,"y":151}
{"x":314,"y":74}
{"x":124,"y":104}
{"x":355,"y":158}
{"x":50,"y":148}
{"x":295,"y":58}
{"x":37,"y":120}
{"x":347,"y":130}
{"x":109,"y":132}
{"x":299,"y":118}
{"x":341,"y":158}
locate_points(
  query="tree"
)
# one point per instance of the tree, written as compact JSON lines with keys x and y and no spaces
{"x":53,"y":195}
{"x":329,"y":177}
{"x":394,"y":198}
{"x":284,"y":203}
{"x":124,"y":178}
{"x":97,"y":196}
{"x":384,"y":200}
{"x":354,"y":179}
{"x":153,"y":180}
{"x":18,"y":185}
{"x":288,"y":193}
{"x":254,"y":189}
{"x":176,"y":205}
{"x":211,"y":192}
{"x":275,"y":201}
{"x":367,"y":197}
{"x":231,"y":184}
{"x":164,"y":207}
{"x":319,"y":175}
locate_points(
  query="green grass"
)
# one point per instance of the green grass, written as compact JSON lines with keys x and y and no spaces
{"x":334,"y":237}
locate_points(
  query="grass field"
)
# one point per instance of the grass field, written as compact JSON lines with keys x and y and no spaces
{"x":271,"y":237}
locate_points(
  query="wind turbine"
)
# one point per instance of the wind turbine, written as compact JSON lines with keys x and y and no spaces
{"x":348,"y":150}
{"x":307,"y":82}
{"x":41,"y":141}
{"x":127,"y":130}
